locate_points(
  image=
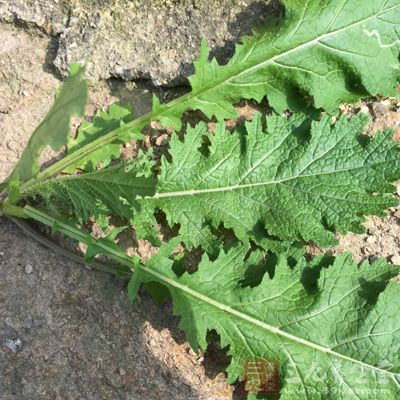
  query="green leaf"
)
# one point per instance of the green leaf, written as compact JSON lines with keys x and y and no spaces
{"x":331,"y":53}
{"x":103,"y":122}
{"x":109,"y":190}
{"x":274,"y":186}
{"x":278,"y":182}
{"x":53,"y":131}
{"x":333,"y":330}
{"x":318,"y":55}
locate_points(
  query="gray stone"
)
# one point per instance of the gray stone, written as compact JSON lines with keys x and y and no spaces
{"x":156,"y":40}
{"x":9,"y":338}
{"x":47,"y":16}
{"x":14,"y":345}
{"x":28,"y":269}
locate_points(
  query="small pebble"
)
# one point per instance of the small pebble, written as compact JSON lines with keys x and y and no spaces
{"x":397,"y":214}
{"x":378,"y":109}
{"x":373,"y":258}
{"x":122,"y":372}
{"x":14,"y":345}
{"x":367,"y":249}
{"x":28,"y":322}
{"x":364,"y":110}
{"x":371,"y":239}
{"x":162,"y":140}
{"x":28,"y":269}
{"x":395,"y":259}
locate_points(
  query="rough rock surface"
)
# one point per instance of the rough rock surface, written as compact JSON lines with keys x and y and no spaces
{"x":49,"y":17}
{"x":155,"y":40}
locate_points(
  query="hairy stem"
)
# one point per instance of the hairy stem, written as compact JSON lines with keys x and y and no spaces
{"x":74,"y":233}
{"x":115,"y":270}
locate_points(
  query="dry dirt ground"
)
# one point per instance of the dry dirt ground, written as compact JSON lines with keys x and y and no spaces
{"x":70,"y":333}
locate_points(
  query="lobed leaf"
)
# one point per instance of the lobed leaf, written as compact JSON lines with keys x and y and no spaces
{"x":103,"y":122}
{"x":332,"y":330}
{"x":265,"y":186}
{"x":295,"y":188}
{"x":321,"y":54}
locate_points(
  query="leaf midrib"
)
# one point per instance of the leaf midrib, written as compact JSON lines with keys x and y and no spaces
{"x":194,"y":94}
{"x":260,"y":324}
{"x":194,"y":192}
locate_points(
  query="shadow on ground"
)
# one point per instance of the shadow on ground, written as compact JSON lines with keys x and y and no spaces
{"x":81,"y":337}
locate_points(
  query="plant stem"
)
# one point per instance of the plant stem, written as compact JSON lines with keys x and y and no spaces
{"x":12,"y":210}
{"x":115,"y":270}
{"x":118,"y":255}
